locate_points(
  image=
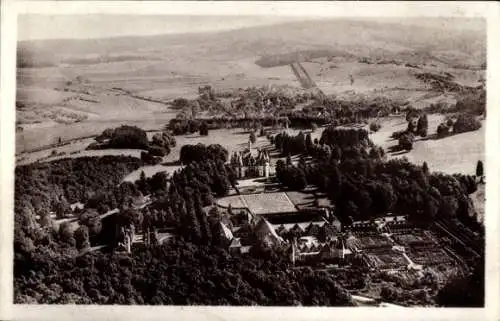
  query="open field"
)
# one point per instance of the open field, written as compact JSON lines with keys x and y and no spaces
{"x":37,"y":135}
{"x":452,"y":154}
{"x":85,"y":153}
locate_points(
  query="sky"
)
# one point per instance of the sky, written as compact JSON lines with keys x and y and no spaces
{"x":87,"y":26}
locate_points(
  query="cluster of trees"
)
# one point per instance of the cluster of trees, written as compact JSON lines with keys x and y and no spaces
{"x":293,"y":145}
{"x":341,"y":137}
{"x":191,"y":189}
{"x":441,"y":82}
{"x":124,"y":136}
{"x":462,"y":123}
{"x":466,"y":123}
{"x":161,"y":144}
{"x":465,"y":291}
{"x":43,"y":187}
{"x":203,"y":129}
{"x":291,"y":176}
{"x":201,"y":153}
{"x":471,"y":101}
{"x":418,"y":125}
{"x":175,"y":274}
{"x":363,"y":186}
{"x":301,"y":145}
{"x":133,"y":137}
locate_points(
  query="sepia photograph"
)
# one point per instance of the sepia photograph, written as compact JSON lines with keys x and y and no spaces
{"x":250,"y":160}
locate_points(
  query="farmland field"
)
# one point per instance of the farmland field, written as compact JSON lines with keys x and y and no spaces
{"x":76,"y":154}
{"x":36,"y":136}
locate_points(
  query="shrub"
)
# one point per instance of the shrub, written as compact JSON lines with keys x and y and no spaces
{"x":375,"y":127}
{"x":157,"y":151}
{"x":443,"y":130}
{"x":398,"y":134}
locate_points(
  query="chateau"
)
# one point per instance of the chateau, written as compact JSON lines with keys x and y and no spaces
{"x":251,"y":163}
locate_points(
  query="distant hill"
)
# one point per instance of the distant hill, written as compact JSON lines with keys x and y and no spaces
{"x":361,"y":38}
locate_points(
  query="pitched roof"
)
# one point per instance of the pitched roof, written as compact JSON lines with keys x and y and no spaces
{"x":265,"y":231}
{"x":224,"y":231}
{"x":235,"y":242}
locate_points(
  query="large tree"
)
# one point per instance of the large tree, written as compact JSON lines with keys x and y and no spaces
{"x":480,"y":170}
{"x":422,"y":125}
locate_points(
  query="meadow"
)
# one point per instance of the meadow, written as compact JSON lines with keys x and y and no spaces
{"x":453,"y":154}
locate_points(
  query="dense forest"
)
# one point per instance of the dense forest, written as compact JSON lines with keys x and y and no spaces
{"x":179,"y":274}
{"x":41,"y":186}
